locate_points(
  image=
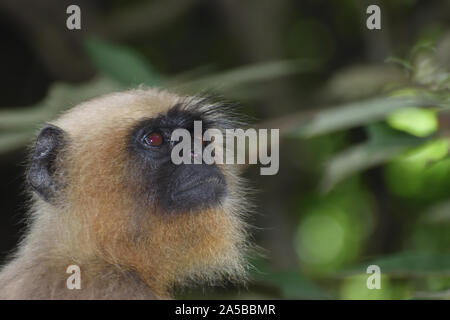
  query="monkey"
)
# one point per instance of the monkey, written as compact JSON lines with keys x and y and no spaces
{"x":105,"y":197}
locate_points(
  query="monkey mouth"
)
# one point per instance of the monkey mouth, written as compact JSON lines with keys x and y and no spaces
{"x":197,"y":190}
{"x":201,"y":192}
{"x":198,"y":184}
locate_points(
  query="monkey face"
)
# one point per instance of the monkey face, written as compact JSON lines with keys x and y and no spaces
{"x":175,"y":188}
{"x":104,"y":171}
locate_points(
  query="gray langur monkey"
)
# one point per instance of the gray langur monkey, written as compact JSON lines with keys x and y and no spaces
{"x":107,"y":198}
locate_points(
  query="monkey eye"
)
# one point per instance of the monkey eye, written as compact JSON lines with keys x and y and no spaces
{"x":154,"y":139}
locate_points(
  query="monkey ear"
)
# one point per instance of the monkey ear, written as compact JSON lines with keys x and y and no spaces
{"x":40,"y":175}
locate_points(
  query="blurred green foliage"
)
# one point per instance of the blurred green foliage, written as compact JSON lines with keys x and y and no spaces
{"x":370,"y":166}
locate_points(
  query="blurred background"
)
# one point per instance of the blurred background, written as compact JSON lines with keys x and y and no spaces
{"x":363,"y":115}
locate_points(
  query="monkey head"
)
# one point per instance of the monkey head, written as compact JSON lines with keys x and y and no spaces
{"x":103,"y":174}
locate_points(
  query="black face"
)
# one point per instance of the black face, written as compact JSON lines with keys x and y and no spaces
{"x":174,"y":188}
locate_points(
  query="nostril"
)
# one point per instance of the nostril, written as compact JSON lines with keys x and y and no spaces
{"x":195,"y":155}
{"x":196,"y":151}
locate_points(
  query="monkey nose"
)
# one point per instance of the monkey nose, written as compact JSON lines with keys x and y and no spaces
{"x":195,"y":154}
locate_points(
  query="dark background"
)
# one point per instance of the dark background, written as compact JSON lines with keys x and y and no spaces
{"x":365,"y":183}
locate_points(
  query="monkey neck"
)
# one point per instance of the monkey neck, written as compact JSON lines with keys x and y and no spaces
{"x":38,"y":272}
{"x":40,"y":269}
{"x":29,"y":277}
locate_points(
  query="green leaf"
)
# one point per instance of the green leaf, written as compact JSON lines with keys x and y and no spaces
{"x":401,"y":62}
{"x":431,"y":151}
{"x":416,"y":121}
{"x":361,"y":81}
{"x":357,"y":159}
{"x":249,"y":74}
{"x":121,"y":63}
{"x":409,"y":264}
{"x":355,"y":114}
{"x":292,"y":283}
{"x":420,"y":172}
{"x":438,"y":213}
{"x":384,"y":144}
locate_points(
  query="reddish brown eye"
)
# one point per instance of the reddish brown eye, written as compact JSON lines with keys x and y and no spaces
{"x":154,"y":139}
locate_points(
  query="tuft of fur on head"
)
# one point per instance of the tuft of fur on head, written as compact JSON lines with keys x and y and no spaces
{"x":103,"y":215}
